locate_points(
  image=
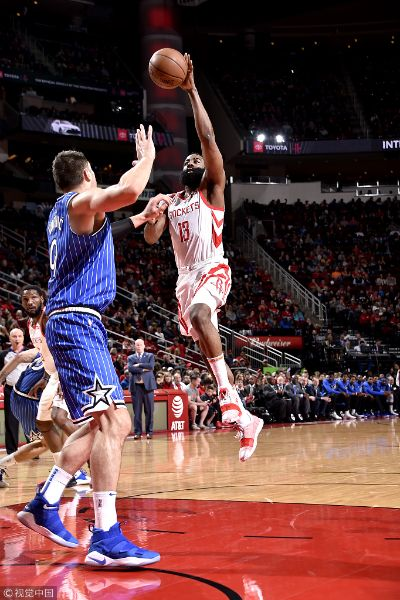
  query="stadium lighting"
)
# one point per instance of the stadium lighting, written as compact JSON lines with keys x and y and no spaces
{"x":260,"y":137}
{"x":279,"y":139}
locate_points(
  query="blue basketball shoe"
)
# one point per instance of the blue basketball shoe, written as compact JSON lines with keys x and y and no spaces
{"x":112,"y":549}
{"x":82,"y":478}
{"x":42,"y":517}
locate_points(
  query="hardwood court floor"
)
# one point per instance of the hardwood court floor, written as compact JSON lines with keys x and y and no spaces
{"x":311,"y":516}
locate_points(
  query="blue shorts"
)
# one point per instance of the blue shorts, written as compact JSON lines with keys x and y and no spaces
{"x":25,"y":410}
{"x":89,"y":382}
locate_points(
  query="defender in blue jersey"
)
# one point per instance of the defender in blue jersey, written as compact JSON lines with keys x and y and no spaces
{"x":24,"y":402}
{"x":26,"y":395}
{"x":45,"y":414}
{"x":82,"y":284}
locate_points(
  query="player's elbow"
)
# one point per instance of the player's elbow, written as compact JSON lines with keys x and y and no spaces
{"x":149,"y":238}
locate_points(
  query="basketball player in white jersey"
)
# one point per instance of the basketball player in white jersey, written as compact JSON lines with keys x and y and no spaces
{"x":195,"y":218}
{"x":51,"y":407}
{"x":33,"y":302}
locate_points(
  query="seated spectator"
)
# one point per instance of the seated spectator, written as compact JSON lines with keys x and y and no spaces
{"x":160,"y":379}
{"x":177,"y":380}
{"x":318,"y":404}
{"x":241,"y":390}
{"x":167,"y":384}
{"x":196,"y":406}
{"x":210,"y":397}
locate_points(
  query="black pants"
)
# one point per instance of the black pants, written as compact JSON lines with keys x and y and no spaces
{"x":276,"y":406}
{"x":10,"y":422}
{"x":142,"y":398}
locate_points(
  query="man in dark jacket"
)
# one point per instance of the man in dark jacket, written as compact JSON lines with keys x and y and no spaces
{"x":142,"y":385}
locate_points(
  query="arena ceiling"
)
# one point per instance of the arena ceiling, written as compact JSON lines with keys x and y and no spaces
{"x":224,"y":16}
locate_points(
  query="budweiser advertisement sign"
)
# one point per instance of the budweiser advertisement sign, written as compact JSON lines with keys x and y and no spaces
{"x":279,"y":342}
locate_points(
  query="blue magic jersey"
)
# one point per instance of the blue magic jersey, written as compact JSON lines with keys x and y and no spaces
{"x":24,"y":406}
{"x":33,"y":373}
{"x":82,"y":267}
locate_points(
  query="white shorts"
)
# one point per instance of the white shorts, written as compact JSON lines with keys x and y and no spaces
{"x":209,"y":284}
{"x":51,"y":396}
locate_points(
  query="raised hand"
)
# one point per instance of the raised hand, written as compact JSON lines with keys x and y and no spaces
{"x":188,"y":83}
{"x":144,"y":143}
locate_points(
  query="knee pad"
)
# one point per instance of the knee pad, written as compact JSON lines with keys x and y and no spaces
{"x":44,"y":409}
{"x":46,"y":399}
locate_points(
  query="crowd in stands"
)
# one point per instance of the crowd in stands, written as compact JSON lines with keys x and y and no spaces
{"x":297,"y":90}
{"x":14,"y":53}
{"x":51,"y":51}
{"x":355,"y":278}
{"x":310,"y":90}
{"x":281,"y":93}
{"x":255,"y":307}
{"x":148,"y":274}
{"x":375,"y":85}
{"x":345,"y":253}
{"x":27,"y":162}
{"x":106,"y":91}
{"x":319,"y":396}
{"x":293,"y":106}
{"x":285,"y":397}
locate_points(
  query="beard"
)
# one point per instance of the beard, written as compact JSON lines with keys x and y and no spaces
{"x":192,"y":179}
{"x":34,"y":312}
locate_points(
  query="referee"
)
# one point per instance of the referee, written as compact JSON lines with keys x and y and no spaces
{"x":11,"y":423}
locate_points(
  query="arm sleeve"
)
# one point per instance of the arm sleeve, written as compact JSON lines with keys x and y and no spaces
{"x":120,"y":229}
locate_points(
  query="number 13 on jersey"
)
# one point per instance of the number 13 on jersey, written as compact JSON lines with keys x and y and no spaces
{"x":184,"y":231}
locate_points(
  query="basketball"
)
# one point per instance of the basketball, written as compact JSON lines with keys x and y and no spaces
{"x":167,"y":68}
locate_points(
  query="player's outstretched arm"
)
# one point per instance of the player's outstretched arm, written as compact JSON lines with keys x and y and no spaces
{"x":154,"y":209}
{"x":155,"y":228}
{"x":215,"y":173}
{"x":127,"y":190}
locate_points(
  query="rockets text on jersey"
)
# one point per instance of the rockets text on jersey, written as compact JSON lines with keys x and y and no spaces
{"x":196,"y":230}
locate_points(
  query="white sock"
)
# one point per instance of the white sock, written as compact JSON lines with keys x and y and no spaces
{"x":8,"y":460}
{"x":105,"y":512}
{"x":218,"y":367}
{"x":244,"y":418}
{"x":55,"y":484}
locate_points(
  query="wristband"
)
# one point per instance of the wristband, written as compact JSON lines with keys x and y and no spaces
{"x":120,"y":229}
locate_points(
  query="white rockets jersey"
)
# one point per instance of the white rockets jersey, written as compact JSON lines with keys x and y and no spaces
{"x":39,"y":341}
{"x":195,"y":227}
